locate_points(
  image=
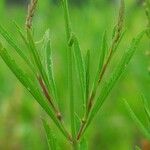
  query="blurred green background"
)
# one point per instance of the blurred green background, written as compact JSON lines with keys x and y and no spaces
{"x":20,"y":123}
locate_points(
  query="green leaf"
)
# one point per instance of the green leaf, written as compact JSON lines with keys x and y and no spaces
{"x":49,"y":64}
{"x":25,"y":42}
{"x":80,"y":66}
{"x":12,"y":43}
{"x":28,"y":84}
{"x":52,"y":142}
{"x":83,"y":144}
{"x":146,"y":107}
{"x":35,"y":55}
{"x":22,"y":35}
{"x":101,"y":60}
{"x":77,"y":122}
{"x":71,"y":90}
{"x":119,"y":41}
{"x":37,"y":59}
{"x":67,"y":19}
{"x":110,"y":83}
{"x":87,"y":74}
{"x":137,"y":121}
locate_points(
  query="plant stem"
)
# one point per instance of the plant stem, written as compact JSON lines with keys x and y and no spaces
{"x":31,"y":9}
{"x":70,"y":74}
{"x":47,"y":95}
{"x":75,"y":145}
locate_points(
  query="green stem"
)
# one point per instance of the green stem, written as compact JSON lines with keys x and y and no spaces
{"x":75,"y":146}
{"x":70,"y":73}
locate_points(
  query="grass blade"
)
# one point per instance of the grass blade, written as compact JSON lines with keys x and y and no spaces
{"x":72,"y":104}
{"x":119,"y":40}
{"x":50,"y":137}
{"x":49,"y":64}
{"x":35,"y":55}
{"x":46,"y":84}
{"x":137,"y":121}
{"x":146,"y":108}
{"x":67,"y":19}
{"x":11,"y":41}
{"x":101,"y":60}
{"x":87,"y":74}
{"x":28,"y":84}
{"x":25,"y":42}
{"x":77,"y":122}
{"x":37,"y":59}
{"x":22,"y":35}
{"x":80,"y":66}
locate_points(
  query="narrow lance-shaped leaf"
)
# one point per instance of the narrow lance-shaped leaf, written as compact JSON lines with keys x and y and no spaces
{"x":101,"y":60}
{"x":46,"y":87}
{"x":22,"y":35}
{"x":77,"y":122}
{"x":37,"y":59}
{"x":87,"y":74}
{"x":108,"y":86}
{"x":119,"y":40}
{"x":50,"y":137}
{"x":72,"y":100}
{"x":26,"y":44}
{"x":146,"y":108}
{"x":67,"y":19}
{"x":49,"y":64}
{"x":137,"y":121}
{"x":27,"y":82}
{"x":80,"y":67}
{"x":12,"y":43}
{"x":35,"y":55}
